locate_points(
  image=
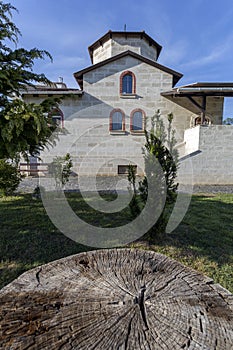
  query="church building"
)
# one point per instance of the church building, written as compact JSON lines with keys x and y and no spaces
{"x":105,"y":117}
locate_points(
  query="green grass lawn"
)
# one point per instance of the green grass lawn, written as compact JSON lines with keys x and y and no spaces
{"x":203,"y":241}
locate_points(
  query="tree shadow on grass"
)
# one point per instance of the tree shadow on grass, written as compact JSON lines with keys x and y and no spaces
{"x":204,"y":239}
{"x":28,"y":238}
{"x":207,"y":228}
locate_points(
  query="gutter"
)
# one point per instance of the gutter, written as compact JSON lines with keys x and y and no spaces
{"x":202,"y":89}
{"x":49,"y":92}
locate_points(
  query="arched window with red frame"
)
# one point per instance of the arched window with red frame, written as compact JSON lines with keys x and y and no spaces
{"x":117,"y":120}
{"x":127,"y":83}
{"x":137,"y":120}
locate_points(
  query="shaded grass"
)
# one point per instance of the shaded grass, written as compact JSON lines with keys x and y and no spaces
{"x":203,"y":241}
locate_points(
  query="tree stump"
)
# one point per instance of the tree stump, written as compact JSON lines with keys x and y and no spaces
{"x":115,"y":299}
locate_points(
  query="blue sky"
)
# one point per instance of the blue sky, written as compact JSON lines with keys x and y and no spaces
{"x":196,"y":35}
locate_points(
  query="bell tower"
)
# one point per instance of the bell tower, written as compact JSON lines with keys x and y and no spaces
{"x":114,"y":43}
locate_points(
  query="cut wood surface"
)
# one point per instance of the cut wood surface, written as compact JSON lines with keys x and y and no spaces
{"x":115,"y":299}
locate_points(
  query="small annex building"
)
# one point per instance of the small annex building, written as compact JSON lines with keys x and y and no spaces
{"x":122,"y":88}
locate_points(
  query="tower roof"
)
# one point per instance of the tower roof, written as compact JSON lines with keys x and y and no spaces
{"x":110,"y":34}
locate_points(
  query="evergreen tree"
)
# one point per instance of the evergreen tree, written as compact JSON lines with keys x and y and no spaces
{"x":24,"y":128}
{"x":161,"y":165}
{"x":228,"y":121}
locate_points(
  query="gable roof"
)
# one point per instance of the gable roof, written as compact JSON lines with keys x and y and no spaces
{"x":79,"y":75}
{"x":111,"y":33}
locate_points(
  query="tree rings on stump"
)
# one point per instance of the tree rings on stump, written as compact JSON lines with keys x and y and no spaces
{"x":115,"y":299}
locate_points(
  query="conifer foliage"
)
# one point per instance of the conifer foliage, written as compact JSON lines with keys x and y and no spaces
{"x":24,"y":128}
{"x":161,"y":165}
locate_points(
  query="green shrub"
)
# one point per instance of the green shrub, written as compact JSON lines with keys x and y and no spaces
{"x":10,"y":177}
{"x":60,"y":169}
{"x":161,"y":164}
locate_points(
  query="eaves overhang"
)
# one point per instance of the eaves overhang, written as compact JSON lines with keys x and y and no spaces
{"x":79,"y":75}
{"x":51,"y":92}
{"x":194,"y":96}
{"x":221,"y":89}
{"x":110,"y":34}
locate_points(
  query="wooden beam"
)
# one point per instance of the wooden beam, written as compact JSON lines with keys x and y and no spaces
{"x":195,"y":103}
{"x":202,"y":107}
{"x":203,"y":110}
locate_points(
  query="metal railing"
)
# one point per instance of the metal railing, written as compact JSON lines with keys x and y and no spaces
{"x":33,"y":169}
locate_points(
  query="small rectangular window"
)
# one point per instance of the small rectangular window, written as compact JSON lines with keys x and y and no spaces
{"x":124,"y":169}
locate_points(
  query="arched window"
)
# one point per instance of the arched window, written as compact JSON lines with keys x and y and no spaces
{"x":117,"y":120}
{"x":127,"y":83}
{"x":197,"y":121}
{"x":57,"y":117}
{"x":137,"y":120}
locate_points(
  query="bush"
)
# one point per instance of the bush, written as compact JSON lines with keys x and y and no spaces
{"x":60,"y":169}
{"x":10,"y":177}
{"x":161,"y":164}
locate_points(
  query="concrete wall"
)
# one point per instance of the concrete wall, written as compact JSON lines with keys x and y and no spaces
{"x":214,"y":163}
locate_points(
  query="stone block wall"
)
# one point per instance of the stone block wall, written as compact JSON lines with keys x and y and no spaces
{"x":102,"y":52}
{"x":213,"y":165}
{"x":214,"y":109}
{"x":86,"y":118}
{"x":117,"y":45}
{"x":150,"y":82}
{"x":137,"y":45}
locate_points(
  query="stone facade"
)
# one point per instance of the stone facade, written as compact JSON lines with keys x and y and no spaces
{"x":117,"y":45}
{"x":113,"y":43}
{"x":210,"y":150}
{"x":96,"y":149}
{"x":87,"y":118}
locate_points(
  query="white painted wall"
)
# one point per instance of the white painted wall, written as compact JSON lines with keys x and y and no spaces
{"x":192,"y":140}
